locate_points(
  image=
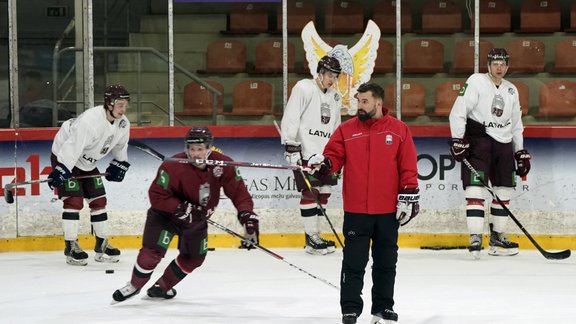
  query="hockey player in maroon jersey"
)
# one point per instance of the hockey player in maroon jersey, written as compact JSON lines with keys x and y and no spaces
{"x":182,"y":197}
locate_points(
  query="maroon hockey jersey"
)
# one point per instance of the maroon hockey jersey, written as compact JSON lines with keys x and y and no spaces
{"x":177,"y":182}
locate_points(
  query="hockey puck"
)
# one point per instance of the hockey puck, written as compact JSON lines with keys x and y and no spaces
{"x":109,"y":271}
{"x":211,"y":249}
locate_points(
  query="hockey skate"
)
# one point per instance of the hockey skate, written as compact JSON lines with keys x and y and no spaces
{"x":330,"y":245}
{"x":105,"y":252}
{"x":316,"y":245}
{"x":349,"y":318}
{"x":500,"y":245}
{"x":74,"y":254}
{"x":475,"y":245}
{"x":156,"y":292}
{"x":124,"y":293}
{"x":388,"y":316}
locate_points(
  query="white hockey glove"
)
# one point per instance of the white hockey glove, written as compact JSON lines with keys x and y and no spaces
{"x":320,"y":164}
{"x":293,"y":153}
{"x":408,"y":206}
{"x":249,"y":221}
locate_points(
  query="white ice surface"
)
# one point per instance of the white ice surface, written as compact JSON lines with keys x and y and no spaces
{"x":251,"y":287}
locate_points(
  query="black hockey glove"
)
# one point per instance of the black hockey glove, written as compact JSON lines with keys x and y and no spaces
{"x":408,"y":206}
{"x":522,"y":162}
{"x":249,"y":221}
{"x":188,"y":213}
{"x":116,"y":170}
{"x":459,"y":149}
{"x":58,"y":176}
{"x":320,"y":165}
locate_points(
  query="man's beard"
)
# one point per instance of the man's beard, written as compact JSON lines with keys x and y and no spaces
{"x":364,"y":116}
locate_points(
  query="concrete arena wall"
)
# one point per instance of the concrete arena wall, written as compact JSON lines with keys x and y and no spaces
{"x":544,"y":203}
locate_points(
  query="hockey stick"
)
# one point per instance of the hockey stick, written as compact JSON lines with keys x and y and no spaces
{"x":316,"y":199}
{"x":147,"y":149}
{"x":548,"y":255}
{"x":9,"y":195}
{"x":261,"y":248}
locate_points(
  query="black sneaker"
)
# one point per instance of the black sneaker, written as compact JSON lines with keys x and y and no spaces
{"x":349,"y":318}
{"x":105,"y":252}
{"x":124,"y":293}
{"x":387,"y":316}
{"x":157,"y":292}
{"x":74,"y":254}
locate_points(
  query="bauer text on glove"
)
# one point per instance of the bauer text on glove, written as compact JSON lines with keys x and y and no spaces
{"x":116,"y":170}
{"x":249,"y":221}
{"x":522,"y":158}
{"x":459,"y":149}
{"x":58,"y":176}
{"x":408,"y":206}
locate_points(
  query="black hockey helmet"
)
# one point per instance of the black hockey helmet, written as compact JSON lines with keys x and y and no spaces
{"x":498,"y":54}
{"x":329,"y":63}
{"x":114,"y":92}
{"x":199,"y":135}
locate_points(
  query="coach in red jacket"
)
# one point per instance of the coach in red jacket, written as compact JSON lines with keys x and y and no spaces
{"x":380,"y":191}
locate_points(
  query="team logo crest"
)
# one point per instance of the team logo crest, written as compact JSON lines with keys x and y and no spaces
{"x":217,"y":171}
{"x":388,"y":139}
{"x":357,"y":62}
{"x":122,"y":124}
{"x":325,"y":113}
{"x":204,"y":194}
{"x":497,"y":106}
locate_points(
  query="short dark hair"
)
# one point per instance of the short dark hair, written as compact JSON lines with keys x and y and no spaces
{"x":377,"y":91}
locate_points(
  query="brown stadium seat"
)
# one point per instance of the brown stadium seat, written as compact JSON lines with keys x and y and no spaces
{"x":248,"y":18}
{"x":557,"y":99}
{"x":385,"y":16}
{"x":523,"y":93}
{"x":572,"y":27}
{"x":268,"y":56}
{"x":446,"y":94}
{"x":299,"y":13}
{"x":198,"y":100}
{"x":385,"y":58}
{"x":423,"y":56}
{"x":225,"y":56}
{"x":526,"y":55}
{"x":413,"y":97}
{"x":495,"y":17}
{"x":441,"y":17}
{"x":251,"y":98}
{"x":463,"y":61}
{"x":344,"y":17}
{"x":538,"y":16}
{"x":565,"y":56}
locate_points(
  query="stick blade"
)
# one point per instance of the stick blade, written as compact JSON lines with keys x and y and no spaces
{"x":145,"y":148}
{"x":8,"y":194}
{"x":557,"y":255}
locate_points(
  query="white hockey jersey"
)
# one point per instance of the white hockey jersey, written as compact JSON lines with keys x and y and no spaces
{"x":84,"y":140}
{"x":311,"y":116}
{"x":497,"y":108}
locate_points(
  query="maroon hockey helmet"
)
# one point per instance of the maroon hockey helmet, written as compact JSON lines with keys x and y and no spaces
{"x":329,"y":63}
{"x":199,"y":135}
{"x":498,"y":54}
{"x":114,"y":92}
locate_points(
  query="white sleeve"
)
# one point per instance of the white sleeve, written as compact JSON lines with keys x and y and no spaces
{"x":291,"y":119}
{"x":517,"y":125}
{"x":464,"y":103}
{"x":120,"y":150}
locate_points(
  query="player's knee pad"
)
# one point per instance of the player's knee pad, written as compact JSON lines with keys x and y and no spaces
{"x":325,"y":190}
{"x":504,"y":193}
{"x":188,"y":264}
{"x":73,"y":203}
{"x":475,"y":192}
{"x":97,"y":203}
{"x":148,"y":258}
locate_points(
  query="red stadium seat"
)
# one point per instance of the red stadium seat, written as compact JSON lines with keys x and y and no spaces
{"x":523,"y":93}
{"x":526,"y":55}
{"x":495,"y":17}
{"x":565,"y":56}
{"x":248,"y":18}
{"x":463,"y":61}
{"x":385,"y":16}
{"x":252,"y":98}
{"x":198,"y":100}
{"x":557,"y":99}
{"x":423,"y":56}
{"x":385,"y":58}
{"x":225,"y":56}
{"x":269,"y":58}
{"x":413,"y":97}
{"x":537,"y":16}
{"x":446,"y":94}
{"x":299,"y":13}
{"x":441,"y":16}
{"x":344,"y":17}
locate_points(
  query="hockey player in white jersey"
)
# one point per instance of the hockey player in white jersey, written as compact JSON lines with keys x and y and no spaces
{"x":487,"y":130}
{"x":77,"y":146}
{"x":311,"y":116}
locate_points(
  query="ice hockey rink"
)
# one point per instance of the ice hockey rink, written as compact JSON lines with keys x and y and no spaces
{"x":252,"y":287}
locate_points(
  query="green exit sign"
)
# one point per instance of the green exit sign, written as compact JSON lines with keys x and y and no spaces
{"x":60,"y":11}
